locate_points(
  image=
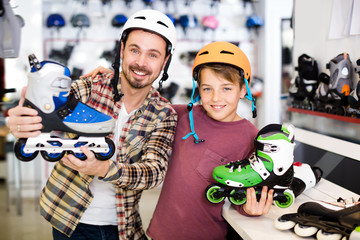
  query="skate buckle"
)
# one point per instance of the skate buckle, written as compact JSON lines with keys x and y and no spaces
{"x":270,"y":148}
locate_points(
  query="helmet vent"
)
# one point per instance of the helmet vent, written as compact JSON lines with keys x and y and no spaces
{"x":161,"y":23}
{"x":141,"y":17}
{"x":206,"y":52}
{"x":226,"y":52}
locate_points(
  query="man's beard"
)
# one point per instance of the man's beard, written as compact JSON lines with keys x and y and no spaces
{"x":134,"y":83}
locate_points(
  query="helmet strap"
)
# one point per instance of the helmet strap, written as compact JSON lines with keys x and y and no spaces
{"x":116,"y":67}
{"x":165,"y":75}
{"x":191,"y":118}
{"x":251,"y":98}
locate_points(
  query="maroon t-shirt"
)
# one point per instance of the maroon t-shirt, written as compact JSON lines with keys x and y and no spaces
{"x":183,"y":212}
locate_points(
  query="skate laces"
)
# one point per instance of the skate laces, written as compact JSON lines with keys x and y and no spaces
{"x":238,"y":165}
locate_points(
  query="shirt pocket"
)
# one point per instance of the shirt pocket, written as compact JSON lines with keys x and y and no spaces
{"x":207,"y":163}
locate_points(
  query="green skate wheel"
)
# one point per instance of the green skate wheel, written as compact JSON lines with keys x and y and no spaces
{"x":211,"y":193}
{"x":286,"y":200}
{"x":236,"y":197}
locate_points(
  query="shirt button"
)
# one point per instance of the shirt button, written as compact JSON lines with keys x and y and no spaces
{"x":139,"y":113}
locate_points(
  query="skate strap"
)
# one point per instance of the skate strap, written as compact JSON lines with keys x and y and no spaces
{"x":68,"y":107}
{"x":259,"y":167}
{"x":268,"y":128}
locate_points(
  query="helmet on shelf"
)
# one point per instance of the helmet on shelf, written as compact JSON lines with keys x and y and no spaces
{"x":55,"y":20}
{"x":210,"y":22}
{"x":119,"y":20}
{"x":80,"y":20}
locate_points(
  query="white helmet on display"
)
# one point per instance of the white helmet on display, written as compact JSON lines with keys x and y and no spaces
{"x":153,"y":21}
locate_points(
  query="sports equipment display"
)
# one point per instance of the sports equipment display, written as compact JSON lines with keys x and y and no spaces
{"x":48,"y":92}
{"x":302,"y":90}
{"x":325,"y":222}
{"x":332,"y":94}
{"x":271,"y":165}
{"x":353,"y":109}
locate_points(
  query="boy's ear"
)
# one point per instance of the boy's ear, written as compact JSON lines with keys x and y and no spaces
{"x":243,"y":91}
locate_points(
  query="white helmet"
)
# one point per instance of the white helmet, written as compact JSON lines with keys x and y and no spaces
{"x":153,"y":21}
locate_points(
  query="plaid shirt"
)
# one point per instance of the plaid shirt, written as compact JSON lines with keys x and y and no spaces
{"x":145,"y":145}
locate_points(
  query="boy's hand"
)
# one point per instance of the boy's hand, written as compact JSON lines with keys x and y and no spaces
{"x":261,"y":207}
{"x":96,"y":71}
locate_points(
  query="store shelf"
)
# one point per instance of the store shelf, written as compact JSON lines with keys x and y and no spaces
{"x":330,"y":144}
{"x":326,"y":115}
{"x":329,"y":125}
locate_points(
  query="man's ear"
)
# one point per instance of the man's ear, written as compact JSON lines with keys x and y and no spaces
{"x":122,"y":50}
{"x":165,"y":61}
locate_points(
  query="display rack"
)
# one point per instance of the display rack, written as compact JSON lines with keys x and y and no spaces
{"x":326,"y":115}
{"x":333,"y":133}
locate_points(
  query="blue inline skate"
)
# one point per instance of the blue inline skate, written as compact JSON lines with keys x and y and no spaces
{"x":48,"y":92}
{"x":271,"y":165}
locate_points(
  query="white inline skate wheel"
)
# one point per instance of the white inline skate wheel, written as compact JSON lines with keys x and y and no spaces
{"x":305,"y":231}
{"x":321,"y":235}
{"x":283,"y":224}
{"x":355,"y":235}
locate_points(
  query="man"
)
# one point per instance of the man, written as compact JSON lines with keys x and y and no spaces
{"x":86,"y":199}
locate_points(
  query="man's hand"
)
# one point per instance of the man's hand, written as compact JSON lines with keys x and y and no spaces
{"x":96,"y":71}
{"x":24,"y":122}
{"x":257,"y":208}
{"x":90,"y":166}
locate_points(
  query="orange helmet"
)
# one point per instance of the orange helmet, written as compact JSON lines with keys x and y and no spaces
{"x":222,"y":52}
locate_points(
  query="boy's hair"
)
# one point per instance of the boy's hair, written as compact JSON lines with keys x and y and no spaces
{"x":226,"y":71}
